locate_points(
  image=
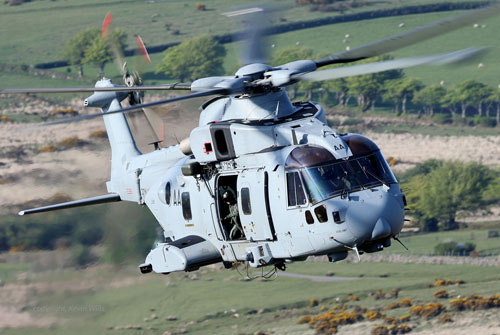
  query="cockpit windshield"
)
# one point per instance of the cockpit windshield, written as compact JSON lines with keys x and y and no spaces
{"x":326,"y":177}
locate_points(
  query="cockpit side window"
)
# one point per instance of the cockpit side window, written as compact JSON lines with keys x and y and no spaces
{"x":295,"y":188}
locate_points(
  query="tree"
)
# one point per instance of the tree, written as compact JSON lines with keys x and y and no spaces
{"x":447,"y":189}
{"x":75,"y":47}
{"x":102,"y":51}
{"x":368,"y":87}
{"x":430,"y":97}
{"x":195,"y":58}
{"x":471,"y":93}
{"x":401,"y":90}
{"x":494,"y":99}
{"x":288,"y":55}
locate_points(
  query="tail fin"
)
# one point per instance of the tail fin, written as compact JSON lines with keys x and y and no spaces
{"x":123,"y":147}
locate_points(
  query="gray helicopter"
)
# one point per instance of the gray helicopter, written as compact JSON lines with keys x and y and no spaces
{"x":261,"y":180}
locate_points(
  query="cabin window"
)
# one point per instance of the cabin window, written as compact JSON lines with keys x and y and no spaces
{"x":245,"y":201}
{"x":321,"y":214}
{"x":167,"y":193}
{"x":309,"y":218}
{"x":186,"y":206}
{"x":296,"y":195}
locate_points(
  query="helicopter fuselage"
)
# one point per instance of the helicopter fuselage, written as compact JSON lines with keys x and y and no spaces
{"x":300,"y":189}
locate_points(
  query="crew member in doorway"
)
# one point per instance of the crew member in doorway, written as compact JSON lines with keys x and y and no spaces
{"x":236,"y":231}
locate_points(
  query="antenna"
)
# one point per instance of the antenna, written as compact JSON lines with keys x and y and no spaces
{"x":276,"y":112}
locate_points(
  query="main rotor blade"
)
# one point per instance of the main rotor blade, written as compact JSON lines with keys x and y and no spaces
{"x":254,"y":20}
{"x":146,"y":105}
{"x":356,"y":70}
{"x":408,"y":38}
{"x":165,"y":87}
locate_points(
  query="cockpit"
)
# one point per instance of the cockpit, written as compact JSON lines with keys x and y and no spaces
{"x":313,"y":172}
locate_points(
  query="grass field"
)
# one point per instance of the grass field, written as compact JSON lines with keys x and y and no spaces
{"x":423,"y":244}
{"x":217,"y":302}
{"x":37,"y":29}
{"x":36,"y":34}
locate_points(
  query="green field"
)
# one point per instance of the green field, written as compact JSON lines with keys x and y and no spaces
{"x":37,"y":34}
{"x":423,"y":244}
{"x":214,"y":298}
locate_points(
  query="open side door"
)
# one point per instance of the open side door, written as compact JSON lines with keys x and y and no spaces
{"x":253,"y":204}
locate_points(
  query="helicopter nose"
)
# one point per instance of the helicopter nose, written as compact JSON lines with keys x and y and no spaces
{"x":381,"y":229}
{"x":375,"y":217}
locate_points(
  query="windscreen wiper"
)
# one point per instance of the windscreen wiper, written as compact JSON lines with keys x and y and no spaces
{"x":375,"y":176}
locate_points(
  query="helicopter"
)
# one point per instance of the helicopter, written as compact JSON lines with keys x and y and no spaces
{"x":261,"y":179}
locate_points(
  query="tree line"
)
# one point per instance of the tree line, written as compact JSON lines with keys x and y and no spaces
{"x":203,"y":56}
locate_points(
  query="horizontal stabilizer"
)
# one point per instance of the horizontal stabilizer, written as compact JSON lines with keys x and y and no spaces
{"x":102,"y":199}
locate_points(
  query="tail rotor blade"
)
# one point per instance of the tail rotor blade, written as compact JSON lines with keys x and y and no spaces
{"x":142,"y":46}
{"x":106,"y":23}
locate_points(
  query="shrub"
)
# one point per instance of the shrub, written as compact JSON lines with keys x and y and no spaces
{"x":313,"y":302}
{"x":394,"y":293}
{"x":81,"y":255}
{"x":373,"y":315}
{"x":442,"y":282}
{"x":379,"y":294}
{"x":441,"y":294}
{"x":392,"y":161}
{"x":475,"y":302}
{"x":394,"y":305}
{"x":486,"y":122}
{"x":99,"y":134}
{"x":493,"y":233}
{"x":304,"y":319}
{"x":441,"y":118}
{"x":353,"y":297}
{"x":333,"y":122}
{"x":47,"y":148}
{"x":71,"y":142}
{"x":445,"y":318}
{"x":428,"y":311}
{"x":201,"y":6}
{"x":352,"y":121}
{"x":405,"y":302}
{"x":455,"y":249}
{"x":380,"y":330}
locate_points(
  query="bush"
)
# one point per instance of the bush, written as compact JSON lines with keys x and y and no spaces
{"x":333,"y":122}
{"x":485,"y":121}
{"x":445,"y":318}
{"x":304,"y":319}
{"x":71,"y":142}
{"x":380,"y":330}
{"x":373,"y":315}
{"x":47,"y":148}
{"x":475,"y":302}
{"x":99,"y":134}
{"x":441,"y":294}
{"x":428,"y":311}
{"x":81,"y":255}
{"x":493,"y":233}
{"x":442,"y":118}
{"x":454,"y":249}
{"x":352,"y":121}
{"x":313,"y":302}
